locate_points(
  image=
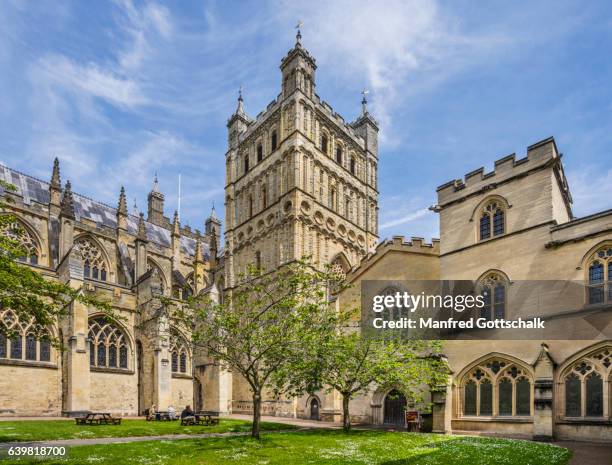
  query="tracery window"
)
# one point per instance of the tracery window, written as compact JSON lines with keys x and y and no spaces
{"x":179,"y":352}
{"x":23,"y":341}
{"x":94,"y":265}
{"x":584,"y":382}
{"x":20,"y":235}
{"x":493,"y":288}
{"x":492,"y":220}
{"x":599,"y":268}
{"x":108,"y":345}
{"x":497,"y":388}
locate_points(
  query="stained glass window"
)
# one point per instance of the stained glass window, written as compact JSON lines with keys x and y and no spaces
{"x":498,"y":222}
{"x":499,"y":302}
{"x":469,"y":407}
{"x":101,"y":355}
{"x":572,"y":396}
{"x":105,"y":340}
{"x":93,"y":260}
{"x":2,"y":345}
{"x":20,"y":235}
{"x":45,"y":350}
{"x":123,"y":357}
{"x":183,"y":362}
{"x":30,"y":347}
{"x":486,"y":397}
{"x":523,"y":397}
{"x":485,"y":227}
{"x":16,"y":351}
{"x":112,"y":356}
{"x":505,"y":397}
{"x":174,"y":362}
{"x":594,"y":395}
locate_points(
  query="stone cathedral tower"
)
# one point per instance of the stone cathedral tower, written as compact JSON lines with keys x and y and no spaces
{"x":300,"y":180}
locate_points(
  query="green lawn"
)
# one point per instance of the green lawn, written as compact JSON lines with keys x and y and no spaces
{"x":40,"y":430}
{"x":324,"y":447}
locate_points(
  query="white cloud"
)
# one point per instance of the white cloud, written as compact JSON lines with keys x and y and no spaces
{"x":141,"y":26}
{"x":390,"y":47}
{"x":90,"y":79}
{"x":407,"y":218}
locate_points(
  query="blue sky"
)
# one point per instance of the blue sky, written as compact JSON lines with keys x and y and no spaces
{"x":120,"y":90}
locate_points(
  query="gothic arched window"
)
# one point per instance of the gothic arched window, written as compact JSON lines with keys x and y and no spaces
{"x":94,"y":265}
{"x":493,"y":288}
{"x":339,"y":155}
{"x":599,"y":267}
{"x":21,"y":237}
{"x":352,"y":165}
{"x":273,"y":141}
{"x":179,"y":352}
{"x":264,"y":197}
{"x":500,"y":379}
{"x":259,"y":152}
{"x":584,"y":382}
{"x":106,"y":341}
{"x":23,"y":341}
{"x":246,"y":163}
{"x":492,"y":222}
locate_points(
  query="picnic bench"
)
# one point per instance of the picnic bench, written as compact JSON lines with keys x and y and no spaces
{"x":98,"y":418}
{"x":205,"y":418}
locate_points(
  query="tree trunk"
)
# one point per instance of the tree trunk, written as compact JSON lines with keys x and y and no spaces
{"x":256,"y":415}
{"x":346,"y":416}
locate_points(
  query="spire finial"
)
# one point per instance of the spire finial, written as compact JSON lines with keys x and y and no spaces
{"x":176,"y":227}
{"x":55,"y":177}
{"x":142,"y":231}
{"x":364,"y":102}
{"x":67,"y":205}
{"x":155,"y":183}
{"x":240,"y":107}
{"x":122,"y":207}
{"x":135,"y":208}
{"x":298,"y":36}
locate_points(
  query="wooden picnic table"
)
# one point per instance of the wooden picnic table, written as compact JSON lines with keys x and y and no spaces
{"x":201,"y":418}
{"x":98,"y":418}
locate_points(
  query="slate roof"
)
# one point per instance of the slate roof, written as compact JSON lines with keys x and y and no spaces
{"x":35,"y":190}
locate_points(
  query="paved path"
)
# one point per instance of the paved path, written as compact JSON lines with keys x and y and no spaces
{"x":588,"y":453}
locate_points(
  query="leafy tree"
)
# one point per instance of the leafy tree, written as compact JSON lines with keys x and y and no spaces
{"x":352,"y":365}
{"x":30,"y":295}
{"x":264,"y":324}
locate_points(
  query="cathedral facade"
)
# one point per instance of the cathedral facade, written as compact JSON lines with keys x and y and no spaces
{"x":301,"y":181}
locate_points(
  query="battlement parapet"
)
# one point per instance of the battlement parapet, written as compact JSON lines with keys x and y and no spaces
{"x":538,"y":154}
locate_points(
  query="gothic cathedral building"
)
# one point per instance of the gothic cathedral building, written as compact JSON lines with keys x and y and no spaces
{"x":301,"y":181}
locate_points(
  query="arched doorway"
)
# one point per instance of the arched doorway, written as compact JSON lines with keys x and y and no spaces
{"x":395,"y":408}
{"x":314,"y":409}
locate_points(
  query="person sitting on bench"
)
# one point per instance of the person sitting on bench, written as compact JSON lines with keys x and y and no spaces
{"x":188,"y":413}
{"x":152,"y":413}
{"x":171,"y":413}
